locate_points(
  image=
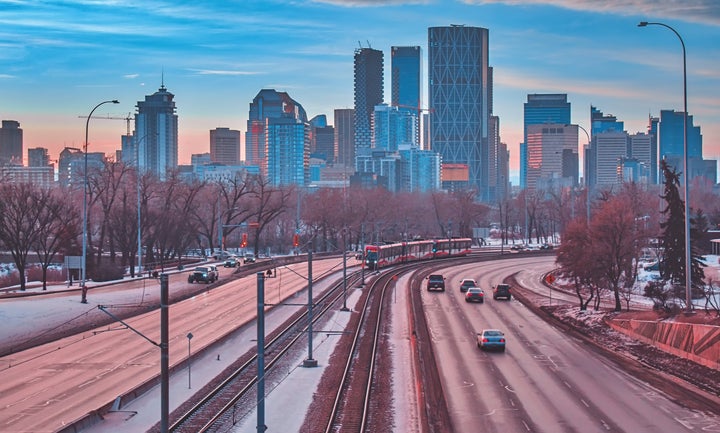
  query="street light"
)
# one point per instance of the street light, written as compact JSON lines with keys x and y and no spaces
{"x":139,"y":221}
{"x":688,"y":265}
{"x":85,"y":193}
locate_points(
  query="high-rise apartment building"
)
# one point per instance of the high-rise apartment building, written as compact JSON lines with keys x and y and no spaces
{"x":278,"y":138}
{"x":541,"y":108}
{"x":11,"y":143}
{"x":345,"y":136}
{"x":609,"y":150}
{"x":71,"y":166}
{"x":459,"y":104}
{"x":368,"y":66}
{"x":394,"y":128}
{"x":225,"y":146}
{"x":322,"y":139}
{"x":156,"y":133}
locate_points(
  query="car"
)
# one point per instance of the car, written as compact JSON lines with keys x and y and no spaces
{"x":516,"y":248}
{"x":204,"y":274}
{"x":249,"y":258}
{"x":546,"y":246}
{"x":466,"y":283}
{"x":502,"y":291}
{"x":436,"y":282}
{"x":475,"y":294}
{"x":491,"y":339}
{"x":232,"y":262}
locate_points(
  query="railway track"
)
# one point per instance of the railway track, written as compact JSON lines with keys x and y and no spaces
{"x":224,"y":404}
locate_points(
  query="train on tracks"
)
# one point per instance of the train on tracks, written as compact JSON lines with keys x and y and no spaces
{"x":378,"y":256}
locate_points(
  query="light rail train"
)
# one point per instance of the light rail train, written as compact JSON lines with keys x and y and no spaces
{"x":378,"y":256}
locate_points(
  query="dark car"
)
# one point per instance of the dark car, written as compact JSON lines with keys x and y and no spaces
{"x":546,"y":247}
{"x":491,"y":339}
{"x":249,"y":258}
{"x":203,"y":274}
{"x":436,"y":282}
{"x":475,"y":294}
{"x":502,"y":291}
{"x":231,"y":263}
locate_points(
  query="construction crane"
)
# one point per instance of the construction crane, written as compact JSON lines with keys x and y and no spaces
{"x":126,"y":119}
{"x":418,"y":109}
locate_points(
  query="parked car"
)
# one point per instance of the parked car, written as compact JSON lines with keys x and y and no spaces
{"x":546,"y":247}
{"x":232,"y":262}
{"x":466,"y":283}
{"x":502,"y":291}
{"x":475,"y":294}
{"x":249,"y":258}
{"x":203,"y":274}
{"x":516,"y":248}
{"x":436,"y":282}
{"x":491,"y":339}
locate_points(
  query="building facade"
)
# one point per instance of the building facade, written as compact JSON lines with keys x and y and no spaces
{"x":541,"y":108}
{"x":546,"y":147}
{"x":225,"y":146}
{"x":406,"y":82}
{"x":38,"y":157}
{"x":156,"y":133}
{"x":11,"y":143}
{"x":368,"y":92}
{"x":345,"y":136}
{"x":459,"y":103}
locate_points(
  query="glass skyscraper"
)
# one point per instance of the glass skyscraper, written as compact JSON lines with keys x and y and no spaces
{"x":541,"y":108}
{"x":406,"y":82}
{"x":459,"y":104}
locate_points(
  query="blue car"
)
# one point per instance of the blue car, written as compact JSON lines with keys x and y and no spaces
{"x":491,"y":339}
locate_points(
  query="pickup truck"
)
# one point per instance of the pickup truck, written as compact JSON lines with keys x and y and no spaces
{"x":204,"y":274}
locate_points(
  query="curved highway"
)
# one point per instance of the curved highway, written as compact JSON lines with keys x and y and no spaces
{"x":545,"y":381}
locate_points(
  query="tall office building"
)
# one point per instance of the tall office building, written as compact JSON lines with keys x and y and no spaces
{"x":368,"y":66}
{"x":71,"y":166}
{"x":541,"y":108}
{"x":278,"y":138}
{"x":322,"y":139}
{"x":459,"y":104}
{"x":11,"y":143}
{"x":406,"y":82}
{"x":546,"y":147}
{"x":156,"y":133}
{"x":671,"y":135}
{"x":345,"y":136}
{"x":225,"y":146}
{"x":609,"y":149}
{"x":653,"y":133}
{"x":394,"y":128}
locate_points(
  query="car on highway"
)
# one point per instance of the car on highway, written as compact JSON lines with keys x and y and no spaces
{"x":502,"y":291}
{"x":249,"y":258}
{"x":475,"y":294}
{"x":203,"y":274}
{"x":232,"y":262}
{"x":466,"y":283}
{"x":491,"y":339}
{"x":436,"y":282}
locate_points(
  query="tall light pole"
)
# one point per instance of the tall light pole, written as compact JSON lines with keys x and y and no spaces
{"x":587,"y":183}
{"x":139,"y":225}
{"x":688,"y":262}
{"x":85,"y":194}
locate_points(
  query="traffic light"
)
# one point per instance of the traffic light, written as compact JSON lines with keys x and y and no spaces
{"x":296,"y":240}
{"x":244,"y":240}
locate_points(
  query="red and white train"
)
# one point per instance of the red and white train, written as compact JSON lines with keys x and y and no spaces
{"x":378,"y":256}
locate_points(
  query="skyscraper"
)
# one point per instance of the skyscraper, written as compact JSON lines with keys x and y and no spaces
{"x":459,"y":104}
{"x":345,"y":136}
{"x":11,"y":143}
{"x":541,"y":108}
{"x":368,"y":65}
{"x":671,"y":135}
{"x":225,"y":146}
{"x":278,"y":138}
{"x":546,"y":144}
{"x":156,"y":133}
{"x":38,"y":157}
{"x":406,"y":82}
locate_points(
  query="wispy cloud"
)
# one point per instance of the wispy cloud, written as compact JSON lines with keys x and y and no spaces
{"x":6,"y":76}
{"x":371,"y":3}
{"x":699,"y":11}
{"x":131,"y":76}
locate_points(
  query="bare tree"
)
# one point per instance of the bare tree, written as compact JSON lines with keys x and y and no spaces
{"x":58,"y":224}
{"x":268,"y":203}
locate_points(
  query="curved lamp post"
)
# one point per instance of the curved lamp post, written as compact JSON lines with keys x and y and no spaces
{"x":85,"y":194}
{"x":688,"y":263}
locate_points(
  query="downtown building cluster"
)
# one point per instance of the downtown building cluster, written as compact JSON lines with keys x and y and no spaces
{"x":452,"y":143}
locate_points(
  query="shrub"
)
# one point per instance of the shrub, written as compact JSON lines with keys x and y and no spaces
{"x":107,"y":272}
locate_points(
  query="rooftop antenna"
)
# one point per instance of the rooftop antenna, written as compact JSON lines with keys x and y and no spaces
{"x":162,"y":78}
{"x":359,"y":44}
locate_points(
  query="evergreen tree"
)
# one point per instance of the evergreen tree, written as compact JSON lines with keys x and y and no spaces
{"x":672,"y":267}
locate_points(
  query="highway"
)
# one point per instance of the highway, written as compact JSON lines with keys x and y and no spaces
{"x":545,"y":381}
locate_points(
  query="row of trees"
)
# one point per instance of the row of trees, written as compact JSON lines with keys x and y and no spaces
{"x":603,"y":254}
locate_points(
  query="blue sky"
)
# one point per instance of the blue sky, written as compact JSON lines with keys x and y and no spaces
{"x":58,"y":59}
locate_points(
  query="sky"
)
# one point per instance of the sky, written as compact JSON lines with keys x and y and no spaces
{"x":58,"y":59}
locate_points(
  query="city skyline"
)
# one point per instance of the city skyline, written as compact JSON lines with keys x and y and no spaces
{"x":60,"y":59}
